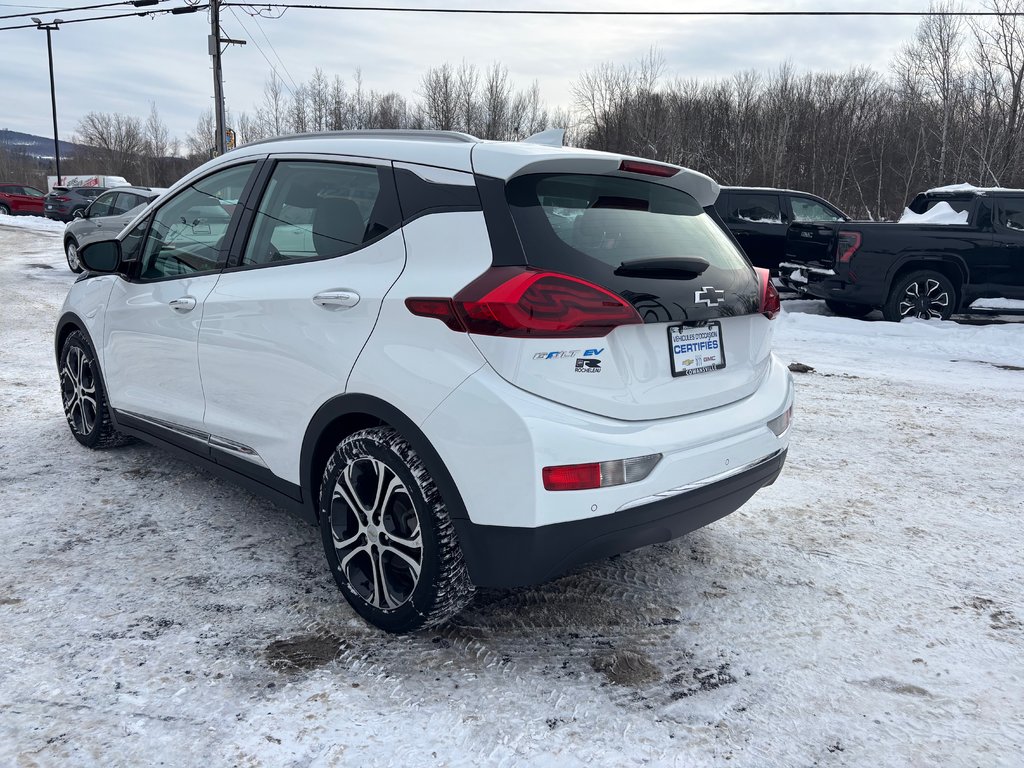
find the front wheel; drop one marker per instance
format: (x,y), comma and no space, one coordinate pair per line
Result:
(81,390)
(386,532)
(925,294)
(71,252)
(4,210)
(846,309)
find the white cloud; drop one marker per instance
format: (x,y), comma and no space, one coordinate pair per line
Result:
(122,65)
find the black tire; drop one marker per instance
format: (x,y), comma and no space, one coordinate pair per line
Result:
(845,309)
(4,210)
(395,558)
(71,254)
(85,401)
(925,294)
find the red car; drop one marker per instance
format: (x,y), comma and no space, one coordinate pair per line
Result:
(17,198)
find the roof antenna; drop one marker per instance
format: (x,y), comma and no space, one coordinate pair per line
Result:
(553,137)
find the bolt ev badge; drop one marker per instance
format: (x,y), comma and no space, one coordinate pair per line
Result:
(708,295)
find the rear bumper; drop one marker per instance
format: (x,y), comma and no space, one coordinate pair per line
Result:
(499,556)
(823,283)
(495,439)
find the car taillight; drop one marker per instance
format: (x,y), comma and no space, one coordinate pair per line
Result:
(770,303)
(847,244)
(62,199)
(580,477)
(523,302)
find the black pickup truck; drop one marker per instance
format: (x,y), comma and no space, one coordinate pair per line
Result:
(972,249)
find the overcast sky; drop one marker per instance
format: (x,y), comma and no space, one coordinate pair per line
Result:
(123,65)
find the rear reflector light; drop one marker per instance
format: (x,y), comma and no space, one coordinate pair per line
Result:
(770,303)
(651,169)
(781,423)
(442,309)
(847,244)
(579,477)
(521,302)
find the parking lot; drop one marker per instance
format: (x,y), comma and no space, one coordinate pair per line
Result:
(864,610)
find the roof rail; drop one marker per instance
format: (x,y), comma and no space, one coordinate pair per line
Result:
(377,133)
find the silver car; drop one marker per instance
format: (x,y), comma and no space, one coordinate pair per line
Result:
(105,217)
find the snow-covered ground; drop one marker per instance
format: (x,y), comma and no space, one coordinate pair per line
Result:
(865,610)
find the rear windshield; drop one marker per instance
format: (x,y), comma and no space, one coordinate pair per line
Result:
(588,226)
(616,220)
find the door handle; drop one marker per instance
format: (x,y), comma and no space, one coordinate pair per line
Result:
(337,299)
(182,305)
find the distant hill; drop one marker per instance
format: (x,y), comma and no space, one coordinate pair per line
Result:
(34,146)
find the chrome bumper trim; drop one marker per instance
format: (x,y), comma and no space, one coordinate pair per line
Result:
(805,268)
(702,483)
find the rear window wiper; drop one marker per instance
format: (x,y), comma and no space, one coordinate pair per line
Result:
(674,268)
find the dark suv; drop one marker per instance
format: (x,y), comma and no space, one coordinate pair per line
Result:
(759,218)
(64,202)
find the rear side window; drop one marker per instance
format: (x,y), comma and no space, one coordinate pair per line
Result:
(591,226)
(314,210)
(755,209)
(811,210)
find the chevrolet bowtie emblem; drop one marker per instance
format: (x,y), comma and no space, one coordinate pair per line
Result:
(708,295)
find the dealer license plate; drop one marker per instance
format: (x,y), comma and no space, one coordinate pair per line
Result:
(696,350)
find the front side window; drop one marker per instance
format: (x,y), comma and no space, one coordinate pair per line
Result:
(314,209)
(756,209)
(187,233)
(810,210)
(103,205)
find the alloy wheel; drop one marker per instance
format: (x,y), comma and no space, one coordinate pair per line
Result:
(925,299)
(72,253)
(376,533)
(78,390)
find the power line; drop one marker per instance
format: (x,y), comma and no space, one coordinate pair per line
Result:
(136,3)
(264,55)
(272,48)
(556,12)
(179,10)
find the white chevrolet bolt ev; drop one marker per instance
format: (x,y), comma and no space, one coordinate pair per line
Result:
(471,363)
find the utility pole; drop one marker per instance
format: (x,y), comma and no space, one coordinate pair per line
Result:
(49,27)
(218,75)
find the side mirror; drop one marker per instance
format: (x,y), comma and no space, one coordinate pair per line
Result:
(80,213)
(101,256)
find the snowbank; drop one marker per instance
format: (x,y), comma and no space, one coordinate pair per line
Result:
(33,223)
(941,213)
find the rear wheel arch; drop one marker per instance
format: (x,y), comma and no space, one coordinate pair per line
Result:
(346,414)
